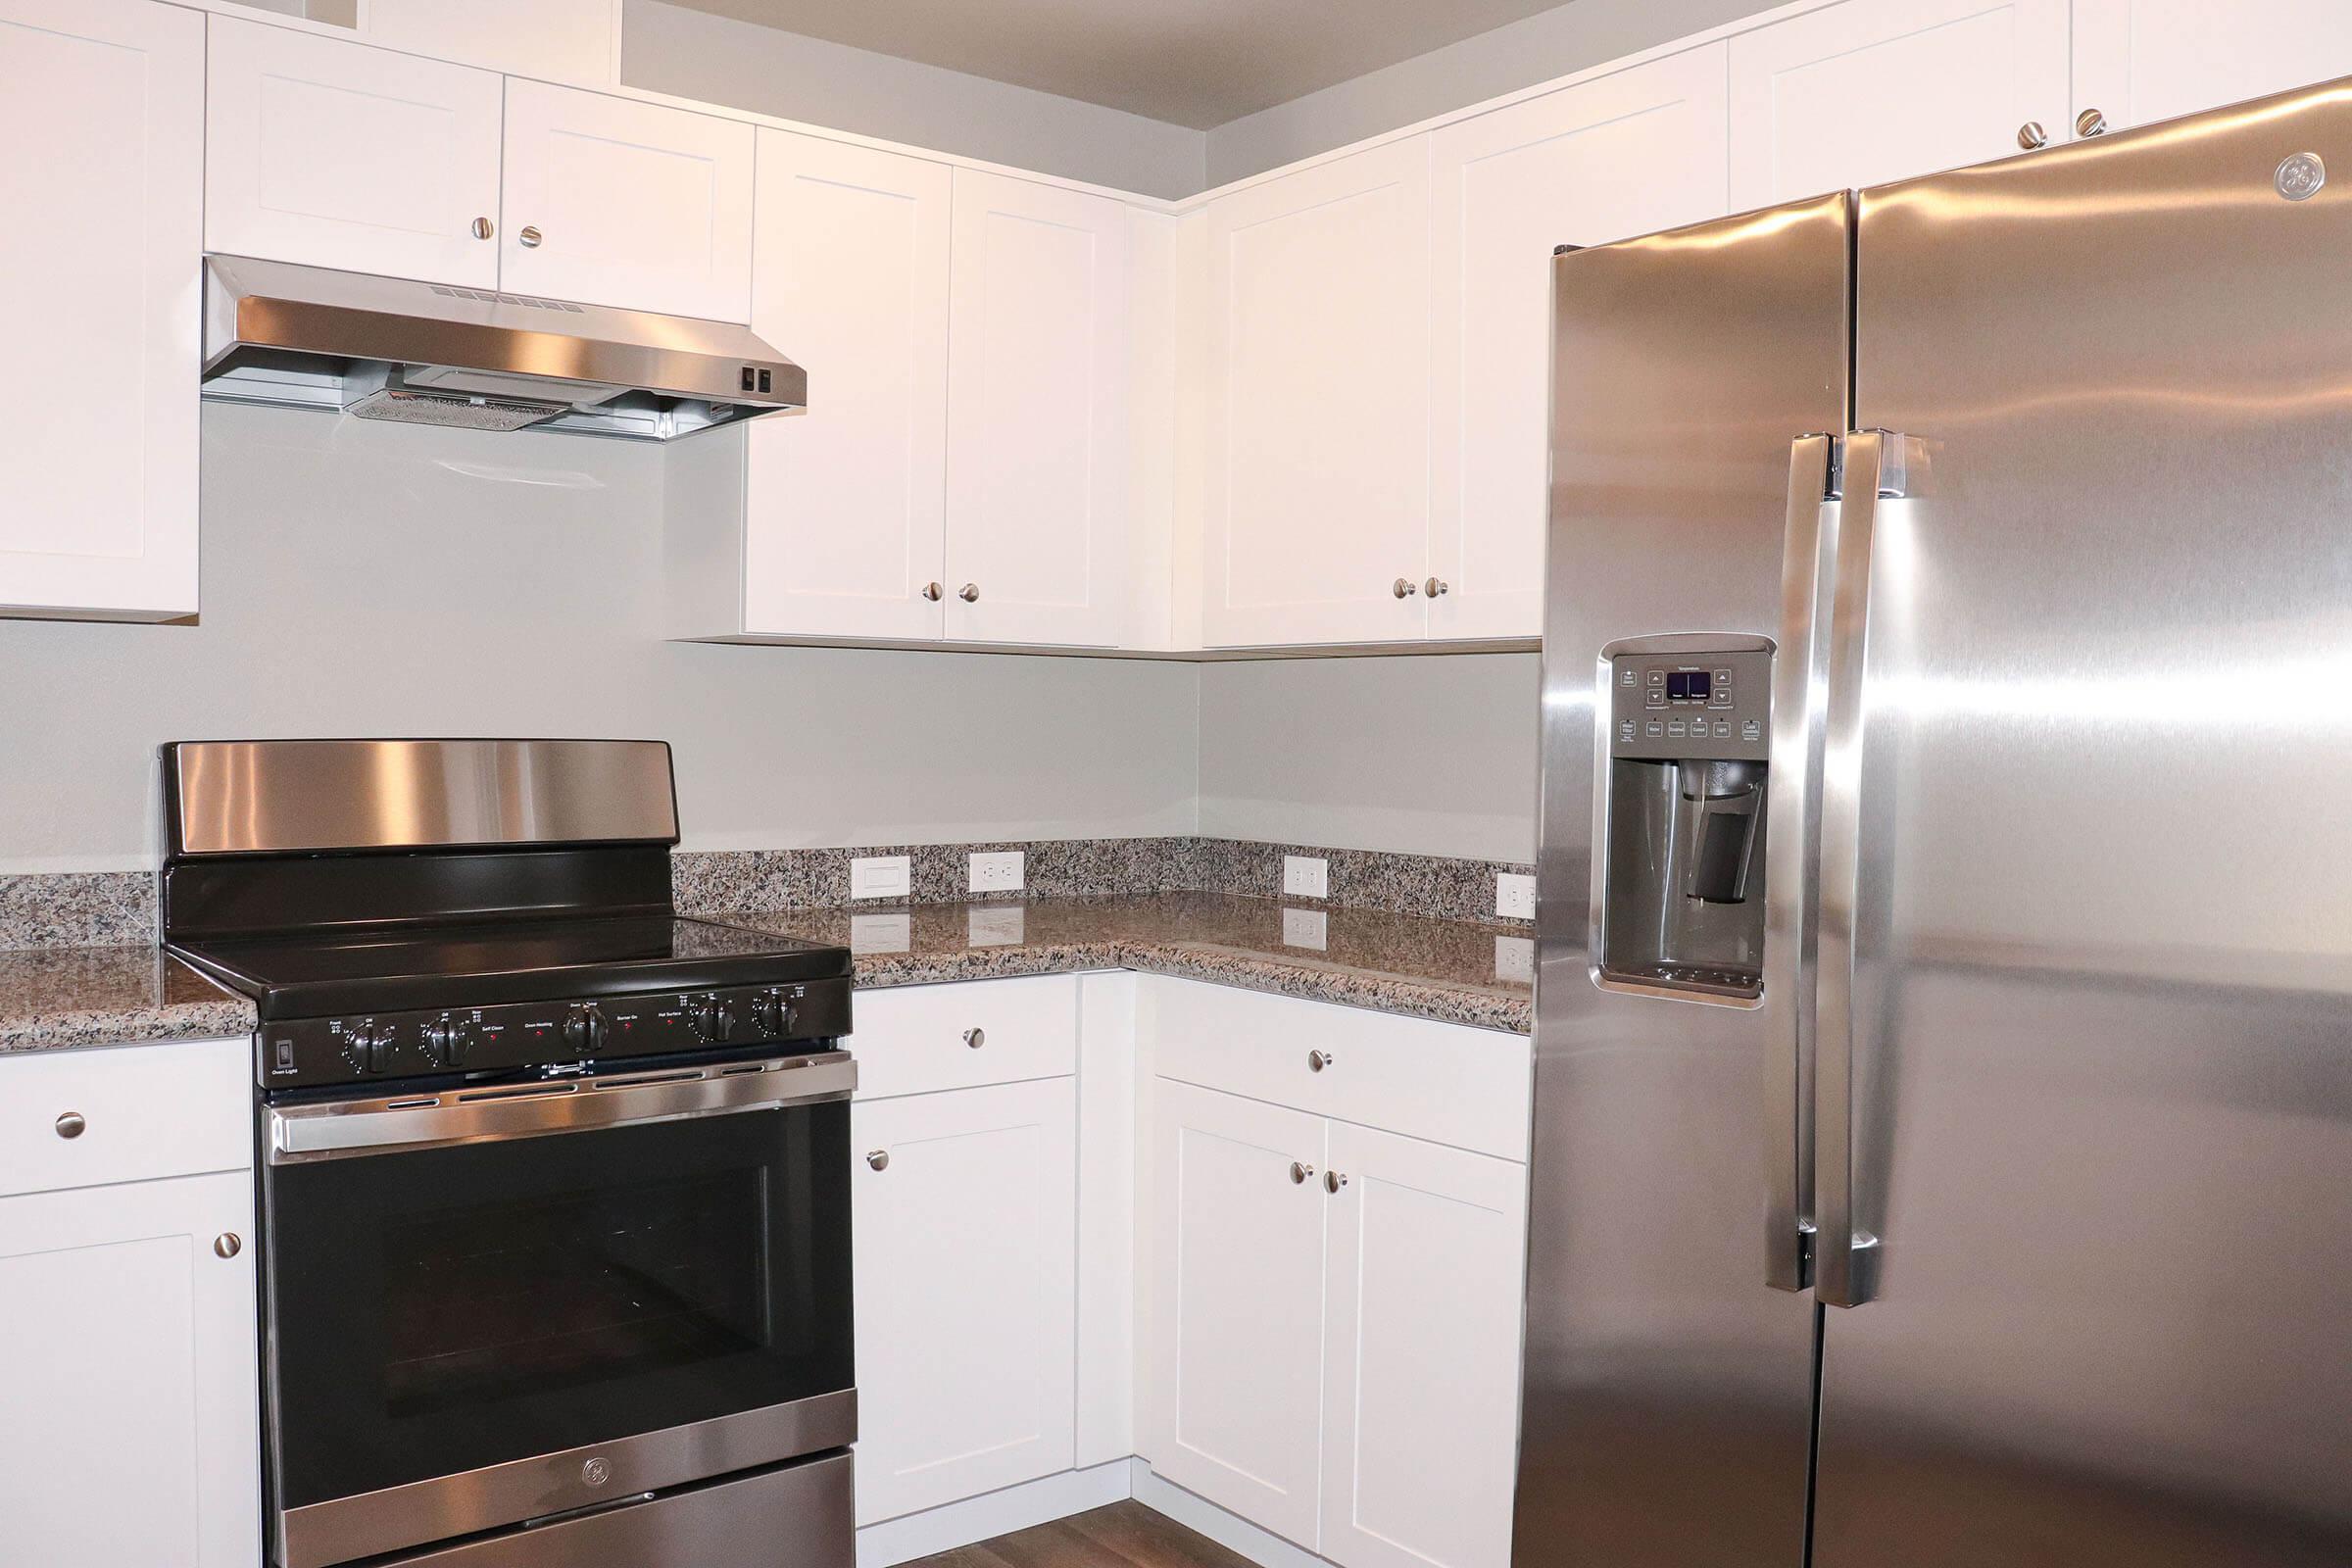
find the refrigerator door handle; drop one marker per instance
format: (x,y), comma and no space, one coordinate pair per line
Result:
(1792,837)
(1846,1270)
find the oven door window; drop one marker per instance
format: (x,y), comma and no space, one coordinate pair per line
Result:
(440,1310)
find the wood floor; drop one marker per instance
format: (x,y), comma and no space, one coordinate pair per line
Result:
(1125,1535)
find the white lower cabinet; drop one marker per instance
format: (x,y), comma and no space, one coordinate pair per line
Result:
(1235,1393)
(1420,1352)
(965,1218)
(1333,1309)
(128,1359)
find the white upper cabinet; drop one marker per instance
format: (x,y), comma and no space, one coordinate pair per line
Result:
(613,202)
(965,1224)
(1421,1359)
(846,503)
(1315,432)
(1235,1393)
(1876,90)
(2138,60)
(339,155)
(1037,377)
(1640,150)
(101,245)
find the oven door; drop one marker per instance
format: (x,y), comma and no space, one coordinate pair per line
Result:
(487,1306)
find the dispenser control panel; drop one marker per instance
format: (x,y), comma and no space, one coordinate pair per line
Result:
(1703,704)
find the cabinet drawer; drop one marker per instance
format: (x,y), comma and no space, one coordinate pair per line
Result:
(1442,1082)
(145,1111)
(922,1039)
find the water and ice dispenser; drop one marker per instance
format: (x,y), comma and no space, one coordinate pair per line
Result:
(1690,760)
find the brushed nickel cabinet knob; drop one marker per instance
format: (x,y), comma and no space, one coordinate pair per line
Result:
(1405,588)
(879,1159)
(975,1037)
(1317,1060)
(1438,587)
(229,1244)
(72,1125)
(934,592)
(483,229)
(2031,136)
(1333,1181)
(2090,122)
(530,236)
(969,593)
(1300,1173)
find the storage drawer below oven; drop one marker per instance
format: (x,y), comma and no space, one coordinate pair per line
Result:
(797,1513)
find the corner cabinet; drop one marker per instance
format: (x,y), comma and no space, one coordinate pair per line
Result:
(102,184)
(1335,1224)
(1315,429)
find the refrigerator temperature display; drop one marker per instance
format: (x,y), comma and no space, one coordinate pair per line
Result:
(1693,684)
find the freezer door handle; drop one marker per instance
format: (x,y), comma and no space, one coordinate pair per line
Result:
(1878,468)
(1791,842)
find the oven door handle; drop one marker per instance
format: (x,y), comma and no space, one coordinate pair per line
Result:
(342,1129)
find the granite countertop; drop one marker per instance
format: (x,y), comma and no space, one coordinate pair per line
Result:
(1443,969)
(57,997)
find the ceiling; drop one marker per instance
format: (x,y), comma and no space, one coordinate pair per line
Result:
(1197,63)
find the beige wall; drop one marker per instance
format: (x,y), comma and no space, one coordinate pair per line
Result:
(667,48)
(1551,43)
(375,580)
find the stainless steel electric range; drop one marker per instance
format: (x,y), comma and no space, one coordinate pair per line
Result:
(554,1184)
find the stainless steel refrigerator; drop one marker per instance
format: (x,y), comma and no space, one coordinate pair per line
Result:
(1943,1109)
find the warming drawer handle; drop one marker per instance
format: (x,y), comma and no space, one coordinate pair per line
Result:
(1878,467)
(1792,813)
(338,1130)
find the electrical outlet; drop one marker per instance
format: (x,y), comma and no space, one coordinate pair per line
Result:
(996,871)
(1515,959)
(881,876)
(1514,895)
(1305,876)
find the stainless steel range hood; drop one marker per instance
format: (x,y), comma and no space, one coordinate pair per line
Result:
(388,348)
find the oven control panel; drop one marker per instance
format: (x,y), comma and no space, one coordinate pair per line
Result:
(301,1052)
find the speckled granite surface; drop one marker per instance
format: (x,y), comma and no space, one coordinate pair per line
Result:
(51,997)
(1451,970)
(1431,886)
(76,910)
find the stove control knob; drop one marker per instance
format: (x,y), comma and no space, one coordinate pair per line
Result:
(584,1030)
(374,1044)
(444,1042)
(715,1019)
(771,1016)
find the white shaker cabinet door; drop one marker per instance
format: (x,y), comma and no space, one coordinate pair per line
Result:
(127,1376)
(101,261)
(1421,1379)
(613,202)
(2138,60)
(1235,1393)
(1038,368)
(1315,435)
(1626,154)
(845,502)
(965,1227)
(1876,90)
(337,155)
